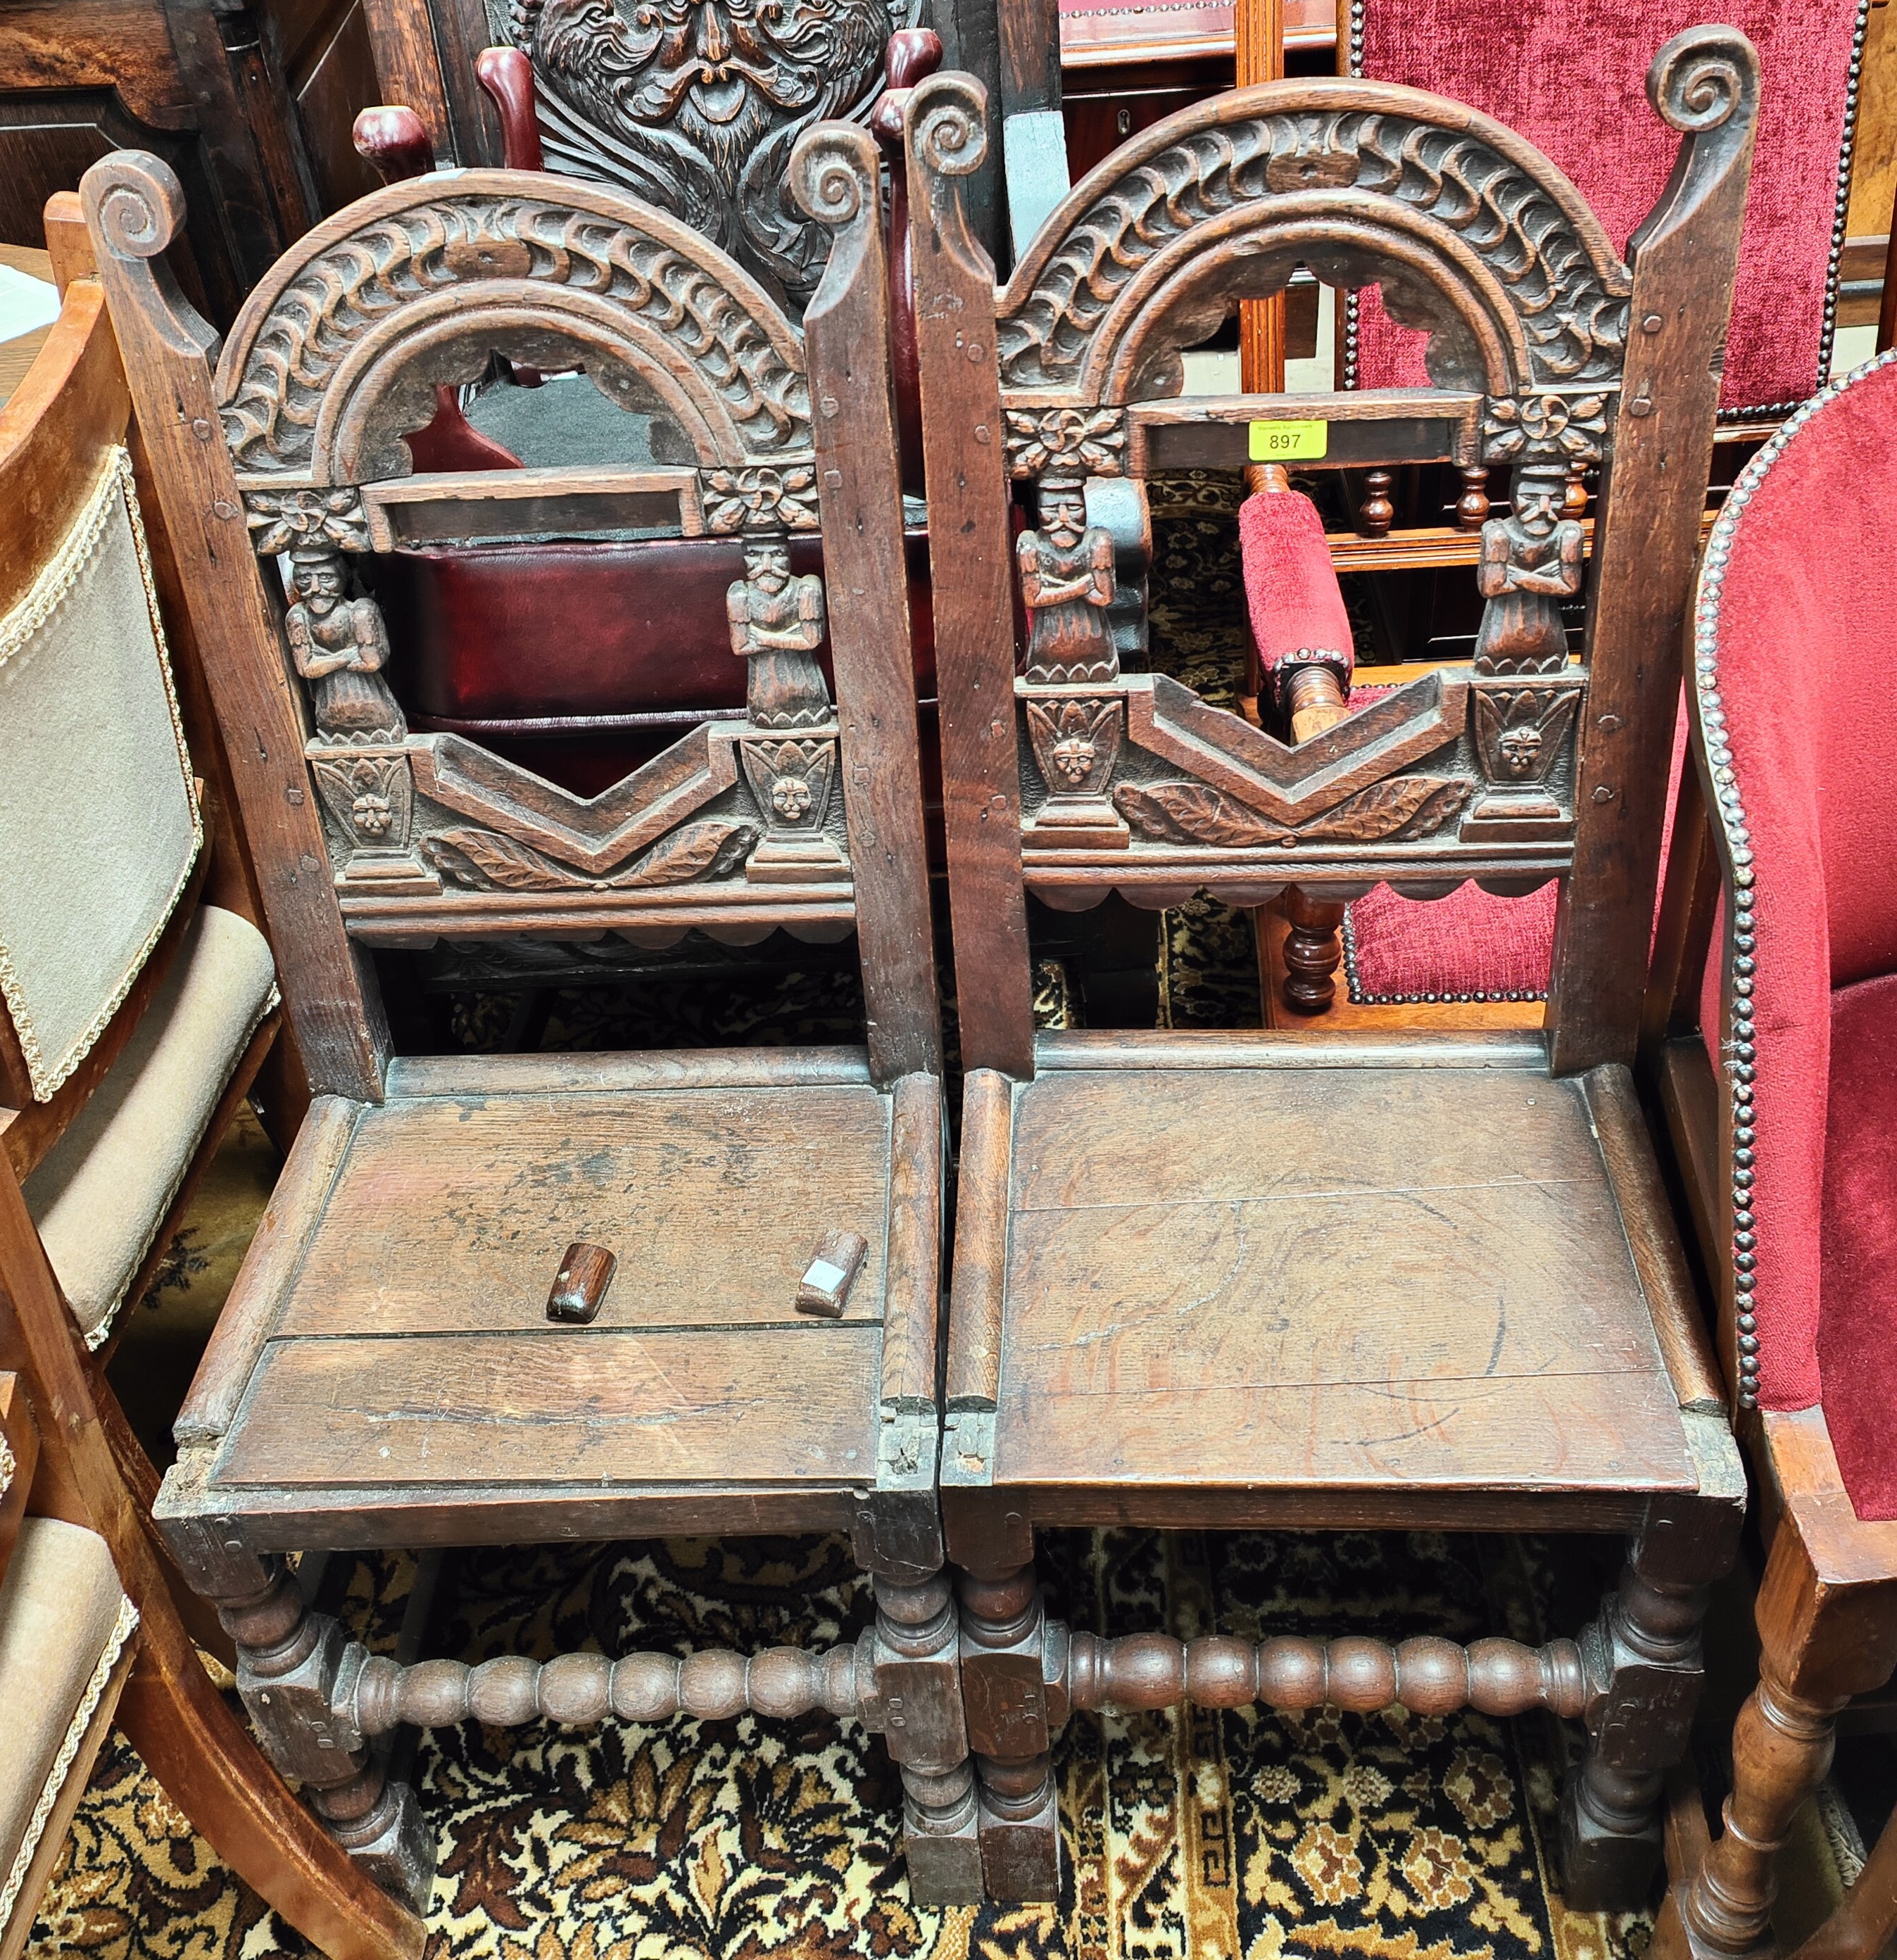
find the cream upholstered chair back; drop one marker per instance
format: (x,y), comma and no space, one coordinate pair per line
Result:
(99,826)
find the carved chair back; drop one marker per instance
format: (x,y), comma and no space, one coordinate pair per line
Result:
(798,813)
(1521,766)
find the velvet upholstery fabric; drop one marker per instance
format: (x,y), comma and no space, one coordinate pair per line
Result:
(1572,80)
(1468,946)
(1290,586)
(1799,642)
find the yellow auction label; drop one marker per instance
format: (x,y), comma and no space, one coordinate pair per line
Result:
(1290,442)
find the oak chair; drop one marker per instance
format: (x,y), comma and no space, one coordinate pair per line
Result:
(1773,1061)
(428,1345)
(1421,1281)
(138,1001)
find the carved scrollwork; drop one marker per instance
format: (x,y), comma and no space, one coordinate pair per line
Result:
(283,520)
(1190,813)
(1092,440)
(768,497)
(335,354)
(483,861)
(1447,189)
(696,106)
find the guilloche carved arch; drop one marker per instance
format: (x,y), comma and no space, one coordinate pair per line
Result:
(336,354)
(1476,234)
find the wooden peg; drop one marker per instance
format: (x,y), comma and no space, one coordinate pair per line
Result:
(1376,513)
(579,1287)
(824,1287)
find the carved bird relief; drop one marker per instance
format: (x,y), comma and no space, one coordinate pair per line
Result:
(695,105)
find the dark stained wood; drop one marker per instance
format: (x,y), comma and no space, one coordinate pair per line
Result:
(847,340)
(409,70)
(579,1287)
(339,1029)
(973,600)
(1642,571)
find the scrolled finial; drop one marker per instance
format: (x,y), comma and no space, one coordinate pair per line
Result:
(1702,76)
(134,203)
(947,124)
(833,172)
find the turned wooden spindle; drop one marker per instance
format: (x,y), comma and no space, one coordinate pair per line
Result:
(1376,513)
(1471,508)
(1574,495)
(1312,948)
(577,1689)
(1427,1675)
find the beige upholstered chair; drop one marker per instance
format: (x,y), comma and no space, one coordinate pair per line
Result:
(138,998)
(131,1015)
(67,1636)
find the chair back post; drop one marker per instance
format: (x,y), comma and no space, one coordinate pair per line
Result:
(134,208)
(963,452)
(848,353)
(1704,83)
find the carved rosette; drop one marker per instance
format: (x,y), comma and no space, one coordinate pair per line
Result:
(282,521)
(768,497)
(1545,432)
(790,781)
(1539,245)
(1090,442)
(1076,741)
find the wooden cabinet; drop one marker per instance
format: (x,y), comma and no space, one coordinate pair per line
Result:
(250,104)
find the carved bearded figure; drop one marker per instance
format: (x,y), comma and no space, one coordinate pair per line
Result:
(340,646)
(694,105)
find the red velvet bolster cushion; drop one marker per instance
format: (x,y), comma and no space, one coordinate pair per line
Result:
(1572,81)
(1290,586)
(1806,655)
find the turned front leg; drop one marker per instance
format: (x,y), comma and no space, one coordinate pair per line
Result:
(289,1665)
(1005,1690)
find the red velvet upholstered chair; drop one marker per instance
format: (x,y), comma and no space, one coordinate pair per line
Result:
(1561,77)
(1782,1102)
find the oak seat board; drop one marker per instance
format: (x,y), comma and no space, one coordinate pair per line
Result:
(1158,1292)
(451,1214)
(576,1408)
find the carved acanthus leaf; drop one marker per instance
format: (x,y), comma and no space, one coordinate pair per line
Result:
(484,861)
(1567,294)
(1190,813)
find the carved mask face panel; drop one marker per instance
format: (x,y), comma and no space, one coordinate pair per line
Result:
(717,76)
(1521,750)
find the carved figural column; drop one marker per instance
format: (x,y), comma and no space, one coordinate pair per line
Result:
(1066,585)
(340,646)
(778,620)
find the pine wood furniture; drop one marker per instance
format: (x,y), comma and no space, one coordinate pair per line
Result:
(1421,1281)
(1768,1040)
(138,1004)
(390,1368)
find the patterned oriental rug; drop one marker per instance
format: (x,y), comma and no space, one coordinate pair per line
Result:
(1243,1835)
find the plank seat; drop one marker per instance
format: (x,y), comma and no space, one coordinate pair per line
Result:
(1159,1292)
(387,1357)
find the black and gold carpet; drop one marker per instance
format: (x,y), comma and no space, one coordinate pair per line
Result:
(1246,1836)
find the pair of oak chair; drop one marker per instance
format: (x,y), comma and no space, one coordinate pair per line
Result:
(1422,1282)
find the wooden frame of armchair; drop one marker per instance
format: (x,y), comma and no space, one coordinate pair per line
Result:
(1763,845)
(469,1174)
(1093,1374)
(143,1093)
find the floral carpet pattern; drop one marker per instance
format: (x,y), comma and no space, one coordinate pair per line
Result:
(1188,1835)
